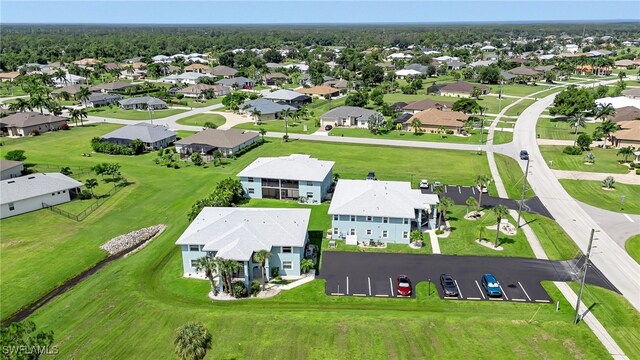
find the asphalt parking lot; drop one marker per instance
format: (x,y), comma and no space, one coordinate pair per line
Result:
(374,275)
(460,194)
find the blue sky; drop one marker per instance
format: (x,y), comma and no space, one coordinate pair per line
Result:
(300,11)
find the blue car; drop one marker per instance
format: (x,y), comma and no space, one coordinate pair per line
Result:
(491,285)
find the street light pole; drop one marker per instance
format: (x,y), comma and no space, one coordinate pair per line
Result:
(524,188)
(576,317)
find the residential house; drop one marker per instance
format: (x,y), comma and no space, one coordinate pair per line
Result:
(385,211)
(228,142)
(457,89)
(480,63)
(455,65)
(348,116)
(240,82)
(627,113)
(625,64)
(186,78)
(100,99)
(628,135)
(319,91)
(26,123)
(70,89)
(293,177)
(86,62)
(35,191)
(10,169)
(435,120)
(69,79)
(633,93)
(195,67)
(237,233)
(407,73)
(161,59)
(195,91)
(142,103)
(223,71)
(9,76)
(425,104)
(116,86)
(618,102)
(154,137)
(422,69)
(275,78)
(293,98)
(263,110)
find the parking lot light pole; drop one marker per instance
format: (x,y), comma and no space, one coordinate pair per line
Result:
(576,317)
(524,188)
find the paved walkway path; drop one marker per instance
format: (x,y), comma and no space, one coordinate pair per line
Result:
(629,178)
(435,244)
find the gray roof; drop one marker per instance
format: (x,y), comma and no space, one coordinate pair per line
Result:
(241,80)
(146,132)
(71,89)
(9,164)
(116,85)
(394,199)
(342,112)
(417,67)
(507,75)
(222,70)
(227,139)
(149,100)
(236,233)
(287,95)
(265,106)
(26,187)
(25,119)
(104,97)
(293,167)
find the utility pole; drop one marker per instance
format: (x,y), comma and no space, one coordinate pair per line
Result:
(524,188)
(576,318)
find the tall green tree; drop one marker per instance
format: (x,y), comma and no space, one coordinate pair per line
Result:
(577,121)
(500,211)
(210,267)
(606,128)
(471,203)
(83,95)
(625,152)
(261,258)
(90,184)
(482,181)
(443,206)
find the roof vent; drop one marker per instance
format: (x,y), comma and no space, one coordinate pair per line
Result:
(31,177)
(11,182)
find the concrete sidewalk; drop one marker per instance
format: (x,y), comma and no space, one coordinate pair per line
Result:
(629,178)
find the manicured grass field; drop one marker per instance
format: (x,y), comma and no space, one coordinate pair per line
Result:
(512,177)
(465,232)
(606,160)
(518,108)
(199,103)
(321,106)
(411,136)
(633,247)
(295,127)
(591,192)
(559,129)
(117,113)
(492,103)
(502,137)
(517,89)
(201,119)
(555,241)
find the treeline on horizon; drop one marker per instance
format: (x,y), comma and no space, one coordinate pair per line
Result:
(65,43)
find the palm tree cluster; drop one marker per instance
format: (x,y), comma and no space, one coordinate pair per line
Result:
(225,268)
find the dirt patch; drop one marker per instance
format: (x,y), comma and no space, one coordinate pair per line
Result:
(573,349)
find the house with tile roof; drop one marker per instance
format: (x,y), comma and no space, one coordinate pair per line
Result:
(434,120)
(457,89)
(154,137)
(26,123)
(228,142)
(347,116)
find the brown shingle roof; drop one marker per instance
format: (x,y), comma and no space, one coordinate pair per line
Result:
(196,66)
(24,119)
(318,90)
(219,138)
(222,70)
(626,113)
(461,87)
(71,89)
(523,71)
(630,130)
(427,104)
(435,117)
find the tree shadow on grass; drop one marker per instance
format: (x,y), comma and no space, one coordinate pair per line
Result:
(504,240)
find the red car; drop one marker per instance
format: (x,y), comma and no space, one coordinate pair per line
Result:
(404,285)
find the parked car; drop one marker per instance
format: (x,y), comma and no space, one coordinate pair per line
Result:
(310,251)
(437,184)
(491,285)
(524,155)
(482,188)
(448,285)
(371,176)
(328,127)
(424,184)
(404,285)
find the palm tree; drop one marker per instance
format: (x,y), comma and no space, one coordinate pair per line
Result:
(605,112)
(255,113)
(83,95)
(60,75)
(577,121)
(90,184)
(261,258)
(210,267)
(286,113)
(129,68)
(262,132)
(416,125)
(191,341)
(500,211)
(306,265)
(78,114)
(471,203)
(481,181)
(226,268)
(626,152)
(444,205)
(606,128)
(38,101)
(20,105)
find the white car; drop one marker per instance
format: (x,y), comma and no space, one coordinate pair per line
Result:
(424,184)
(482,189)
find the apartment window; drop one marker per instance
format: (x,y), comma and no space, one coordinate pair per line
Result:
(405,235)
(309,183)
(335,217)
(336,231)
(11,207)
(251,190)
(287,265)
(369,218)
(250,179)
(353,218)
(309,195)
(369,232)
(64,191)
(53,194)
(286,250)
(406,221)
(385,234)
(194,247)
(194,263)
(385,220)
(352,231)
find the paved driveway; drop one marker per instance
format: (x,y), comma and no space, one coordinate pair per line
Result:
(374,274)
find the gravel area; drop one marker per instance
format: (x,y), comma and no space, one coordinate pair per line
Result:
(129,240)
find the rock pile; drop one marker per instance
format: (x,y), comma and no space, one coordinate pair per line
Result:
(129,240)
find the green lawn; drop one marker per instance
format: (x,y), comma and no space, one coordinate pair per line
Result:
(591,192)
(465,232)
(200,119)
(559,129)
(117,113)
(512,177)
(517,89)
(492,103)
(620,319)
(391,248)
(518,108)
(606,160)
(321,106)
(410,135)
(295,127)
(633,247)
(555,241)
(502,137)
(195,103)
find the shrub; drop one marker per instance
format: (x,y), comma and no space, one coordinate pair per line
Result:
(84,195)
(102,146)
(196,159)
(238,289)
(439,232)
(632,165)
(210,125)
(15,155)
(255,287)
(35,132)
(275,271)
(246,149)
(179,96)
(584,141)
(637,171)
(64,126)
(608,182)
(449,132)
(572,150)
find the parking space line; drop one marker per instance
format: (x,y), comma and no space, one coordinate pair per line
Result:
(391,287)
(459,190)
(445,188)
(458,287)
(503,293)
(337,294)
(473,190)
(369,280)
(544,301)
(347,285)
(479,289)
(473,298)
(382,295)
(525,291)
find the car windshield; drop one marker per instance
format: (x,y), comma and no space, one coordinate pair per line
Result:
(403,284)
(448,282)
(492,284)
